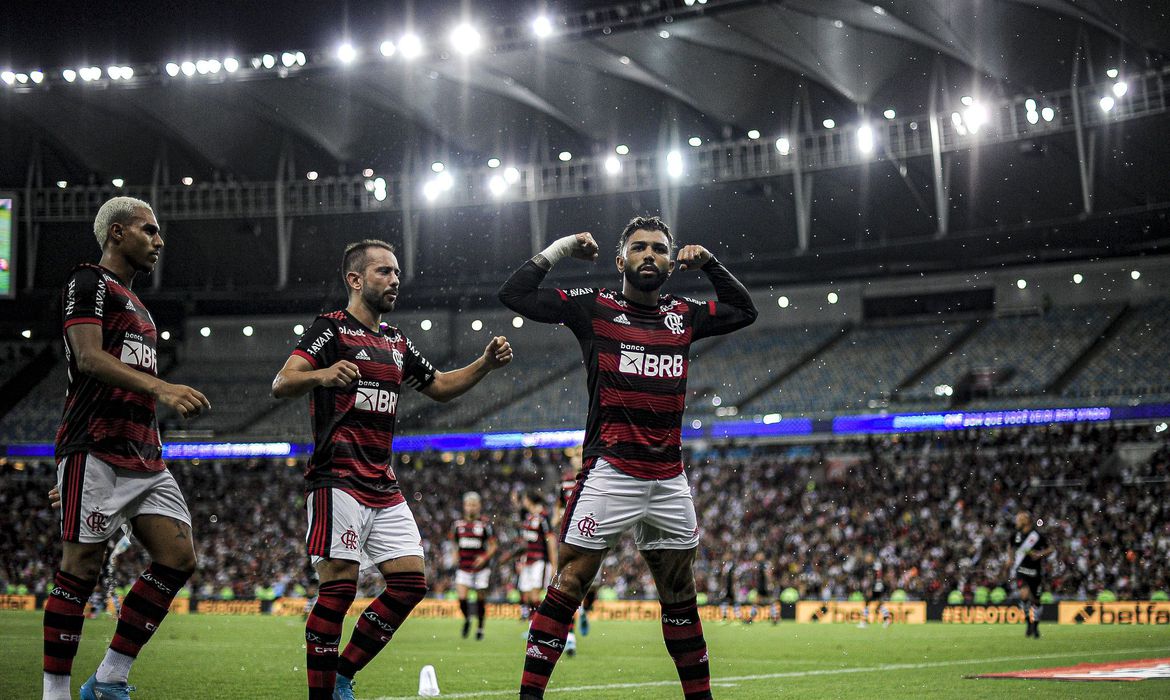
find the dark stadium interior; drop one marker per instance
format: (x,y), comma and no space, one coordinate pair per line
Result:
(1043,282)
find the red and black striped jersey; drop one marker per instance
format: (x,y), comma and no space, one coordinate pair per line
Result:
(472,537)
(116,425)
(637,359)
(534,530)
(353,427)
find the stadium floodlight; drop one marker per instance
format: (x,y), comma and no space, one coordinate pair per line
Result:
(347,53)
(1112,72)
(1120,88)
(188,68)
(188,181)
(517,321)
(511,175)
(833,298)
(268,60)
(8,77)
(437,167)
(248,331)
(387,48)
(26,334)
(493,162)
(425,324)
(380,183)
(430,191)
(311,175)
(976,116)
(497,185)
(783,147)
(1078,278)
(622,149)
(213,65)
(1135,275)
(231,65)
(664,34)
(36,76)
(829,124)
(287,59)
(117,182)
(410,46)
(565,156)
(754,134)
(1030,104)
(695,141)
(1033,117)
(674,164)
(62,184)
(542,27)
(368,172)
(22,78)
(613,166)
(445,181)
(299,329)
(379,192)
(70,75)
(889,113)
(1107,103)
(465,39)
(369,185)
(477,325)
(205,332)
(1022,283)
(300,57)
(865,139)
(165,335)
(1048,113)
(716,400)
(203,66)
(967,100)
(782,302)
(1161,428)
(696,424)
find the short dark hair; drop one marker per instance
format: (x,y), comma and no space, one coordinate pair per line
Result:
(354,259)
(648,223)
(535,496)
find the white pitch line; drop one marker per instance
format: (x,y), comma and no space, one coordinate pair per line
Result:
(798,674)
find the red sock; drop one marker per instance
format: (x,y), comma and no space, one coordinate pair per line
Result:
(546,640)
(145,607)
(683,633)
(323,636)
(64,616)
(381,620)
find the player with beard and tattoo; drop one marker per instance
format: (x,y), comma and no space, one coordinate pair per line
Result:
(635,345)
(354,366)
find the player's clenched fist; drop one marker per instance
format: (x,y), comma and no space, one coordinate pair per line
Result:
(584,247)
(187,401)
(692,256)
(339,375)
(498,352)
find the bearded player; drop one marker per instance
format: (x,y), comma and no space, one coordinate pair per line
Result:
(635,345)
(355,366)
(476,539)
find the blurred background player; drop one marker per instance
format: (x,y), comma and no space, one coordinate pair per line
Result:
(540,555)
(877,594)
(763,590)
(568,483)
(355,366)
(635,345)
(476,540)
(1030,548)
(729,607)
(110,470)
(106,594)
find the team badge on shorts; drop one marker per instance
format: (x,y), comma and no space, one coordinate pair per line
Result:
(349,539)
(97,521)
(587,526)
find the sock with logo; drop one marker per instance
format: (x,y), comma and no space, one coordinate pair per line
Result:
(64,617)
(142,612)
(683,633)
(546,640)
(381,620)
(323,636)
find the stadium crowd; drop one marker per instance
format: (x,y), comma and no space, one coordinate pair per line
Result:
(934,511)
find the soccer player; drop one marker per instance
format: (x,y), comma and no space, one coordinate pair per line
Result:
(635,345)
(763,581)
(878,592)
(107,581)
(109,458)
(568,483)
(354,366)
(476,539)
(1031,548)
(540,550)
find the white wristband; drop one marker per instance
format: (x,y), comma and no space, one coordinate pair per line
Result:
(560,249)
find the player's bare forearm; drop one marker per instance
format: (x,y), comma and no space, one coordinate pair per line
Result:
(86,342)
(449,385)
(291,383)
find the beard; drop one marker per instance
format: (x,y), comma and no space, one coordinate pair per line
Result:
(377,301)
(645,284)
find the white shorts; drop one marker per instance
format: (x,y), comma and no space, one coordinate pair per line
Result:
(608,502)
(478,580)
(535,576)
(342,528)
(98,499)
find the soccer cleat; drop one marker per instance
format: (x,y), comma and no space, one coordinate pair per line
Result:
(92,690)
(479,635)
(343,688)
(466,628)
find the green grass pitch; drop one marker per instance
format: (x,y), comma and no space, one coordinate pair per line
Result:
(203,656)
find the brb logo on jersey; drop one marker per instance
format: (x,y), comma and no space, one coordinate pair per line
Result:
(137,353)
(371,397)
(635,360)
(674,322)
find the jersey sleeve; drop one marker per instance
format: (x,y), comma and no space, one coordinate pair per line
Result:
(523,294)
(319,344)
(733,308)
(85,295)
(545,526)
(489,532)
(417,371)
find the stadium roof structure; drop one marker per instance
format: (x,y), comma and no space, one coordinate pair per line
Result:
(709,99)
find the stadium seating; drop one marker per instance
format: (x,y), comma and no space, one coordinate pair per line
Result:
(1133,363)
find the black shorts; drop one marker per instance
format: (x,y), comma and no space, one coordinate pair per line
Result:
(1032,584)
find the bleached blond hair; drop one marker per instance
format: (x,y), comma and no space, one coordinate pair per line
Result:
(119,210)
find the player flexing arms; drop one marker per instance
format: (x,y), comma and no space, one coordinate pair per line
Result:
(355,368)
(476,540)
(109,457)
(635,345)
(1031,548)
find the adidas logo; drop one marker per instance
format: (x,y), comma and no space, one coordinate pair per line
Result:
(622,320)
(362,355)
(130,306)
